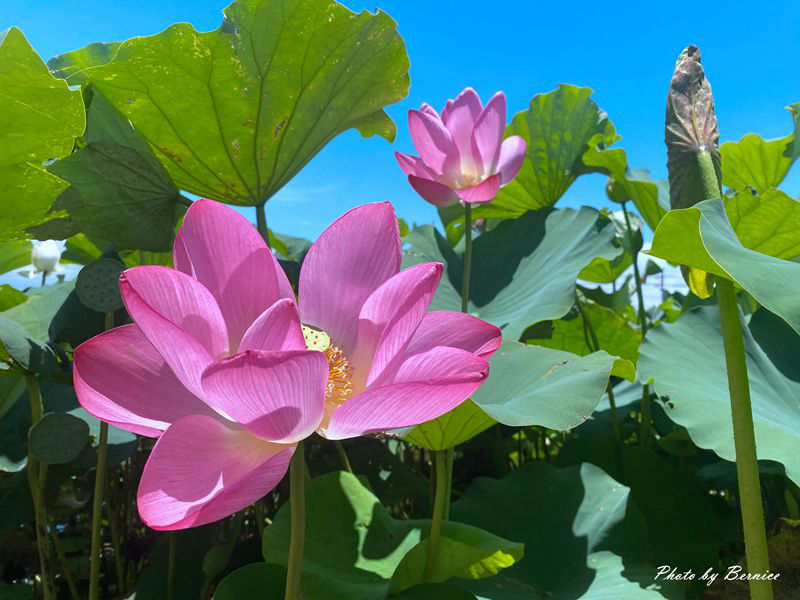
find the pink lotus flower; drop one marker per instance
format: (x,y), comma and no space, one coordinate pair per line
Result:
(218,364)
(462,154)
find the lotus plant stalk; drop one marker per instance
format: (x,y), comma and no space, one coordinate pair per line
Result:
(694,164)
(297,500)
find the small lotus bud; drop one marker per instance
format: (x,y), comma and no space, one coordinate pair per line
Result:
(615,191)
(45,256)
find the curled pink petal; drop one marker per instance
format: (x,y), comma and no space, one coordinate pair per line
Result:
(178,316)
(390,316)
(203,469)
(224,252)
(434,192)
(349,261)
(456,330)
(277,328)
(424,387)
(121,378)
(485,191)
(488,133)
(512,154)
(434,143)
(413,165)
(277,396)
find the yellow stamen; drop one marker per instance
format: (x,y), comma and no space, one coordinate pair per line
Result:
(340,372)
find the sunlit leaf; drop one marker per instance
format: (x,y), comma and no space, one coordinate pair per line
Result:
(556,127)
(701,237)
(768,222)
(754,162)
(258,97)
(451,429)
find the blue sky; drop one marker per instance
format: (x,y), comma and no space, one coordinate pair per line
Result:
(624,52)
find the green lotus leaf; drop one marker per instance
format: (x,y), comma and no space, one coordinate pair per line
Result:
(584,537)
(702,237)
(753,162)
(556,128)
(768,222)
(523,270)
(257,581)
(454,427)
(686,361)
(40,117)
(259,96)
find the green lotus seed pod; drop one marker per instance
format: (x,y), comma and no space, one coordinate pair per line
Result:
(97,285)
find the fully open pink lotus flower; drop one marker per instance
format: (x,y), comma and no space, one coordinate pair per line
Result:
(218,364)
(462,154)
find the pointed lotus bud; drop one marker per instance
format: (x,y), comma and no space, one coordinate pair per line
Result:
(45,256)
(692,136)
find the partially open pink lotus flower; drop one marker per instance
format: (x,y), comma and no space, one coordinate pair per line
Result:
(222,367)
(462,154)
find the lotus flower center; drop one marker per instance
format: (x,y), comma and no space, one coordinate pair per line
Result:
(340,371)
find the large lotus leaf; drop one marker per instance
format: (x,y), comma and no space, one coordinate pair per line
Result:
(685,532)
(40,117)
(556,127)
(454,427)
(650,197)
(530,385)
(753,162)
(702,237)
(10,297)
(768,222)
(436,591)
(356,554)
(686,361)
(124,195)
(14,254)
(614,335)
(72,64)
(256,581)
(583,536)
(603,270)
(523,270)
(36,313)
(260,96)
(31,353)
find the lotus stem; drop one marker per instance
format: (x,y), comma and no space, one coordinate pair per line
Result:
(62,559)
(440,466)
(343,456)
(297,505)
(261,222)
(644,430)
(467,256)
(744,439)
(35,483)
(594,347)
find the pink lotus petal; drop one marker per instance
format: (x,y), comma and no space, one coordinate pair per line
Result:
(485,191)
(277,396)
(434,192)
(348,262)
(456,330)
(178,316)
(428,109)
(460,116)
(512,154)
(203,469)
(224,252)
(434,143)
(277,328)
(488,133)
(121,378)
(413,165)
(390,316)
(427,385)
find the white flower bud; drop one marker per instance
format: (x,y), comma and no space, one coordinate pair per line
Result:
(45,255)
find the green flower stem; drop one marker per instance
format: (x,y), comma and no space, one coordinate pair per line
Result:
(595,346)
(34,472)
(171,565)
(261,515)
(646,409)
(297,504)
(440,466)
(62,559)
(97,502)
(261,222)
(744,439)
(467,257)
(343,456)
(449,457)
